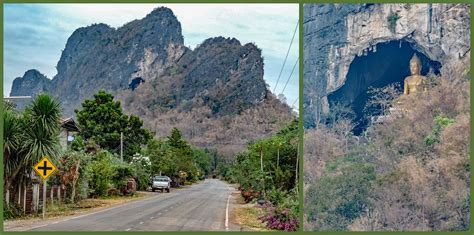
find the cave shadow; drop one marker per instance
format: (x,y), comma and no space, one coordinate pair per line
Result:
(388,64)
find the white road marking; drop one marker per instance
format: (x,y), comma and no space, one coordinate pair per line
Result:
(39,226)
(227,214)
(128,229)
(141,222)
(152,217)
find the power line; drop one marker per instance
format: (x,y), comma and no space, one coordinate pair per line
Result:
(284,62)
(292,70)
(295,102)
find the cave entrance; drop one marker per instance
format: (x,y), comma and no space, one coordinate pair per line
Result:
(388,64)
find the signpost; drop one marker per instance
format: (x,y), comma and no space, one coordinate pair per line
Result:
(44,168)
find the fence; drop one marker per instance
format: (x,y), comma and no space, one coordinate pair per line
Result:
(30,197)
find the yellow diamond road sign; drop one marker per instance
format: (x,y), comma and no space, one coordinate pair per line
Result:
(44,168)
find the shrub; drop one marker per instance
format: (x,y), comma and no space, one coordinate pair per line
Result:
(335,201)
(281,210)
(141,167)
(278,218)
(441,123)
(392,21)
(101,172)
(12,211)
(122,172)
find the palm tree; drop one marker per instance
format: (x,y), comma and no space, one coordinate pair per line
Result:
(42,133)
(30,136)
(11,142)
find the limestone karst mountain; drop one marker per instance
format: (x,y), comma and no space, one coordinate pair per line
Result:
(214,93)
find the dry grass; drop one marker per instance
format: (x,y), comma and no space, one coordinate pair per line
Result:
(246,216)
(55,210)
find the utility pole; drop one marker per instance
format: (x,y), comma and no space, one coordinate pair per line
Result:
(121,145)
(296,171)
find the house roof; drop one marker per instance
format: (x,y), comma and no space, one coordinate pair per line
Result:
(69,124)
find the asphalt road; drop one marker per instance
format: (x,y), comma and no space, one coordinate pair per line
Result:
(204,207)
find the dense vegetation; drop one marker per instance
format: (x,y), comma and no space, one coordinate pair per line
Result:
(409,171)
(91,165)
(27,137)
(101,120)
(143,155)
(267,173)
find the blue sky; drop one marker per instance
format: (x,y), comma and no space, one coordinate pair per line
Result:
(35,34)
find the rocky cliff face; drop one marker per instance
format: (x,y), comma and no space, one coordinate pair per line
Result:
(146,65)
(32,82)
(100,57)
(220,73)
(335,34)
(152,49)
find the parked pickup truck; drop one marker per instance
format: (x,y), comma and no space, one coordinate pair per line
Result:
(161,182)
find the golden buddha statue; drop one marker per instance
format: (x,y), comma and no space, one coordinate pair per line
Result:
(415,82)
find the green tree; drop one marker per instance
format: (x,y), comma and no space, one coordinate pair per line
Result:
(101,120)
(203,162)
(175,140)
(182,153)
(135,136)
(161,158)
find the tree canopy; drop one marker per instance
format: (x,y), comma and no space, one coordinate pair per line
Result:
(101,120)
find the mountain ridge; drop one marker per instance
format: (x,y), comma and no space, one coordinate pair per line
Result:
(146,65)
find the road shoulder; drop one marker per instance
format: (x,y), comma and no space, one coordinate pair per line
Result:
(31,222)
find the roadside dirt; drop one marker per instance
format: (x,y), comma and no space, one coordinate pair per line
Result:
(246,215)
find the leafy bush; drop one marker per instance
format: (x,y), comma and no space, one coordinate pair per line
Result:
(284,216)
(100,173)
(122,172)
(12,211)
(73,174)
(335,201)
(441,123)
(141,171)
(392,21)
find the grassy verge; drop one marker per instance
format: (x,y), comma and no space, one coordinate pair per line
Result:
(55,209)
(246,216)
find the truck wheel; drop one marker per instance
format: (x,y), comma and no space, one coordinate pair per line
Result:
(162,190)
(153,189)
(168,190)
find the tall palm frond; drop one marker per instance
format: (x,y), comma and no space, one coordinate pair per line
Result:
(41,137)
(11,133)
(31,136)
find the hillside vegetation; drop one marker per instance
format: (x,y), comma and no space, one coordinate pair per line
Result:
(409,172)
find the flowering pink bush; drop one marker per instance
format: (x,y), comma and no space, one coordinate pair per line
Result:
(280,219)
